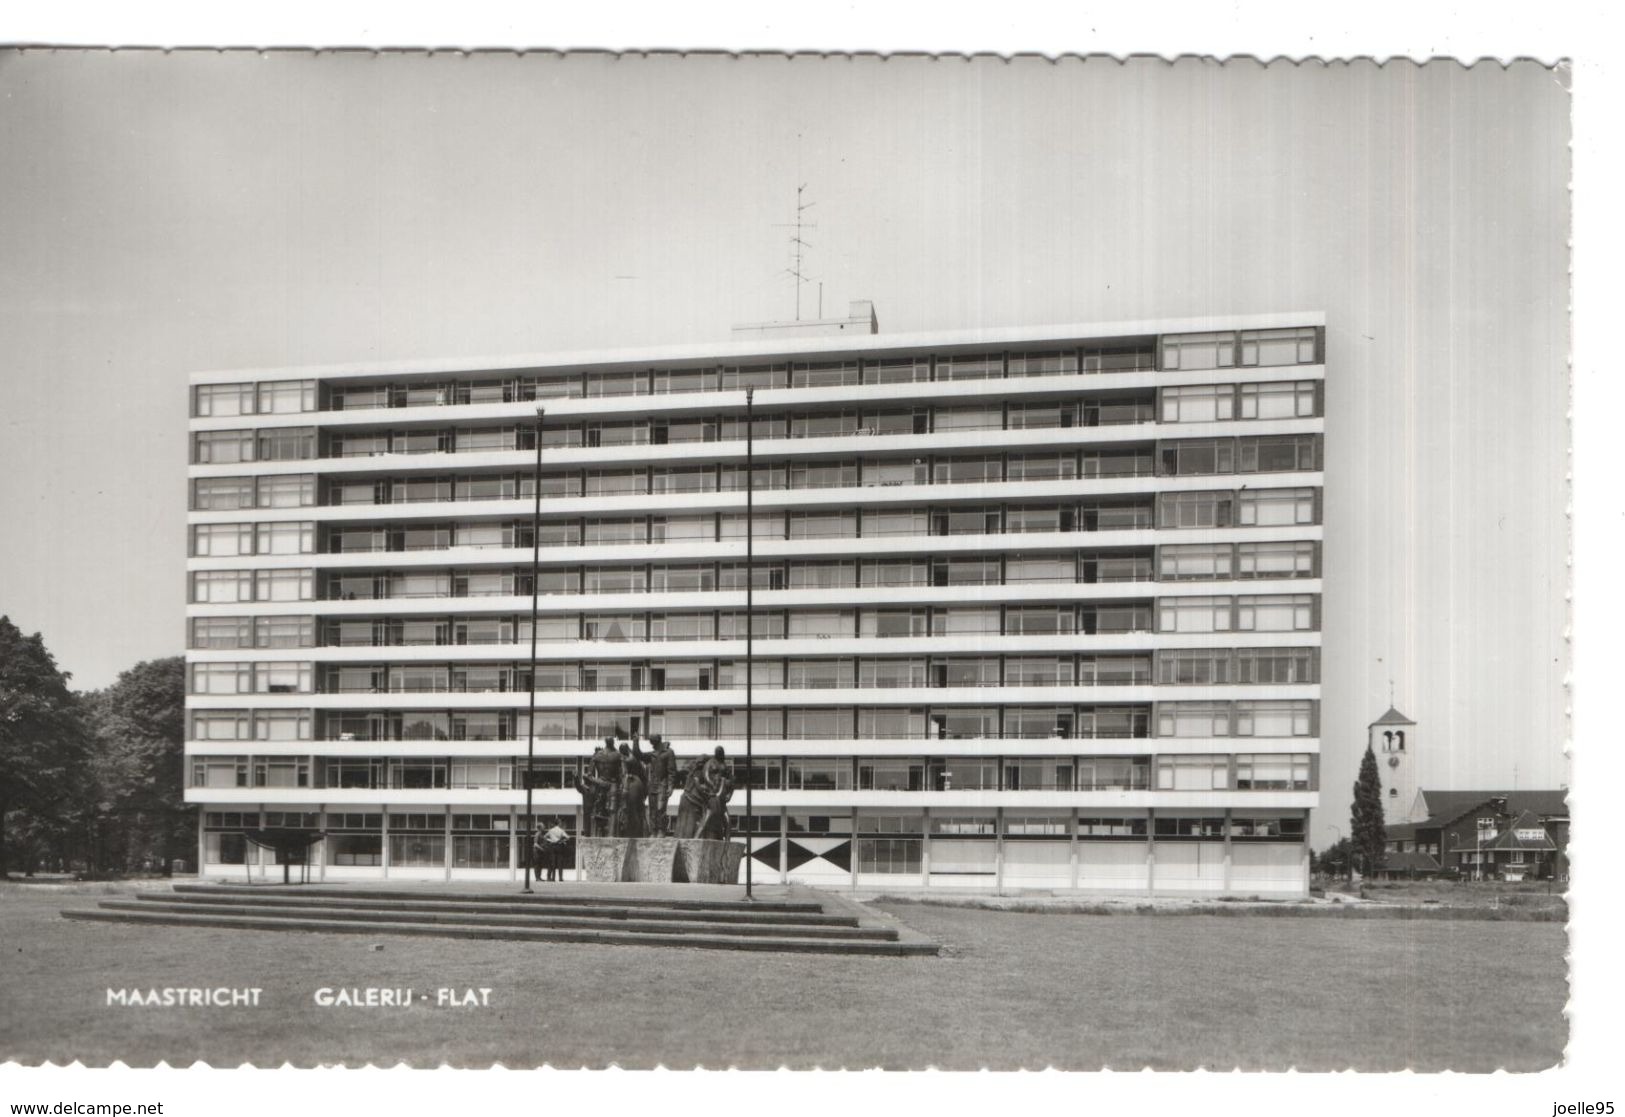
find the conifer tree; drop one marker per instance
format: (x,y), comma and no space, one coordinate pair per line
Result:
(1369,834)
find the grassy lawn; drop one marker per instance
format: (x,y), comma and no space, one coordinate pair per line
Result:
(1012,989)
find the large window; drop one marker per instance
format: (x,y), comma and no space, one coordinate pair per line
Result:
(220,725)
(1286,717)
(222,678)
(222,494)
(1278,453)
(214,587)
(291,537)
(1193,719)
(890,774)
(1194,562)
(1194,666)
(820,774)
(1289,399)
(222,540)
(281,397)
(282,725)
(1041,467)
(282,678)
(1203,457)
(1193,614)
(1277,665)
(220,771)
(801,723)
(1287,771)
(284,585)
(285,444)
(1195,510)
(220,400)
(1188,352)
(219,632)
(1198,403)
(1287,612)
(1192,773)
(1280,347)
(297,490)
(1276,560)
(889,843)
(219,447)
(1275,507)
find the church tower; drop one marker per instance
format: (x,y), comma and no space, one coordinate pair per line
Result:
(1393,739)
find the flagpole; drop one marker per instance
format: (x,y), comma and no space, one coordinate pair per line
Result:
(529,848)
(750,624)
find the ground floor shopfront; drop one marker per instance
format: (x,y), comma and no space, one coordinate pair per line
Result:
(1259,852)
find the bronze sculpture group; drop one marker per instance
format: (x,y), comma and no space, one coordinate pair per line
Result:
(625,792)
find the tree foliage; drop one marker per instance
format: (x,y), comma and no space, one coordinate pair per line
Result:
(45,780)
(1367,830)
(140,729)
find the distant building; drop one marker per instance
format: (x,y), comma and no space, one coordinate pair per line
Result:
(1506,834)
(1393,740)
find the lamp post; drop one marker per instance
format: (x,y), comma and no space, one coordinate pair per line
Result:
(750,623)
(535,588)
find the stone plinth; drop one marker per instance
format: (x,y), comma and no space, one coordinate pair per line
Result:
(659,860)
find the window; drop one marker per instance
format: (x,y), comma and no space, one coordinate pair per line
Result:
(965,722)
(1194,666)
(218,447)
(979,366)
(1040,620)
(214,587)
(1197,457)
(1194,562)
(222,540)
(895,523)
(1290,399)
(890,622)
(1275,507)
(284,632)
(617,626)
(1041,467)
(220,400)
(1272,772)
(1063,362)
(965,826)
(1198,403)
(1278,453)
(802,723)
(282,725)
(222,678)
(1286,717)
(903,370)
(1039,721)
(949,419)
(1193,614)
(222,494)
(287,538)
(282,397)
(807,774)
(901,573)
(287,491)
(1021,520)
(965,672)
(286,444)
(1112,828)
(1193,719)
(1294,612)
(220,725)
(1041,416)
(683,529)
(967,471)
(964,622)
(824,374)
(890,474)
(1055,569)
(221,771)
(282,678)
(680,626)
(890,775)
(1189,352)
(819,674)
(1276,560)
(887,673)
(219,632)
(1195,510)
(1191,773)
(1175,829)
(1280,347)
(284,585)
(823,525)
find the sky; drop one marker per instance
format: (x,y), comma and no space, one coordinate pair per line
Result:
(164,213)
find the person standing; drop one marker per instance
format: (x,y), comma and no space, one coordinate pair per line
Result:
(554,842)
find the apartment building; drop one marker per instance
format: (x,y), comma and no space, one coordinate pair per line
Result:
(1033,608)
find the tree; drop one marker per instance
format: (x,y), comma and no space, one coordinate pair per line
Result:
(45,786)
(140,726)
(1366,827)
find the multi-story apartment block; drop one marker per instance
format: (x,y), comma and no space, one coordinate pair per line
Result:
(1034,608)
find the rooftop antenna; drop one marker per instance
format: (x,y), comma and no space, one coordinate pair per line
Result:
(798,246)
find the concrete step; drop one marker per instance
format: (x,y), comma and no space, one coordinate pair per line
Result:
(561,897)
(402,913)
(732,940)
(593,907)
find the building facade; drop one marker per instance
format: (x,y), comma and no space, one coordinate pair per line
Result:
(1033,608)
(1508,835)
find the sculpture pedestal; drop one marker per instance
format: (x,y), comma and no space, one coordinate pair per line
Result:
(659,860)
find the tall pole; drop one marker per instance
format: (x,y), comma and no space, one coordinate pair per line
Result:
(750,624)
(535,589)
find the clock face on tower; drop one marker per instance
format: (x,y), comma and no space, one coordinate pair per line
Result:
(1393,762)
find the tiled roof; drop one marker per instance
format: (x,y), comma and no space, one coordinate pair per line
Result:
(1393,717)
(1409,862)
(1447,806)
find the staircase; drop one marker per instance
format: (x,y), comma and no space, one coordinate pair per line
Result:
(800,920)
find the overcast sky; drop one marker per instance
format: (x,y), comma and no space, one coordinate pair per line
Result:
(163,213)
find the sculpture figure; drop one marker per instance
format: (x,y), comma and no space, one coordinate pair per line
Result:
(662,767)
(706,790)
(606,768)
(629,819)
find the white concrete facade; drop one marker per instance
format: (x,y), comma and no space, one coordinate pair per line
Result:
(1035,609)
